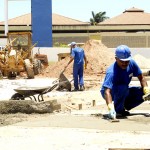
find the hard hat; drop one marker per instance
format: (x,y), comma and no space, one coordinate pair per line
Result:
(72,43)
(123,53)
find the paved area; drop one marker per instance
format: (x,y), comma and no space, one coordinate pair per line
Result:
(69,138)
(139,121)
(84,129)
(80,130)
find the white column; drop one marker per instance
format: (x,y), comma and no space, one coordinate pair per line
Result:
(6,16)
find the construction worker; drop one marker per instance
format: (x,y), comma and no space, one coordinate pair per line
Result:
(78,55)
(119,96)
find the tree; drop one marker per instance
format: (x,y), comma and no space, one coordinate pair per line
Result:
(99,17)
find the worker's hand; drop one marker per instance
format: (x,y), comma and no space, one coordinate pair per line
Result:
(146,90)
(112,112)
(146,95)
(85,66)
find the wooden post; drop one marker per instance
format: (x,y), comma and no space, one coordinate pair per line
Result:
(93,102)
(80,106)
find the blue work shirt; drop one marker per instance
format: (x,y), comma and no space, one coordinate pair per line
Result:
(78,55)
(116,76)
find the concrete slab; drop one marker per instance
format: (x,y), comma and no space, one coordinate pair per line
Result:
(58,138)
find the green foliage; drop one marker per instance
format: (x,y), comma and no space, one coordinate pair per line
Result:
(98,17)
(57,44)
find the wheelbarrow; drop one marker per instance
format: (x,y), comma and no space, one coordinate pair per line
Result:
(30,92)
(64,83)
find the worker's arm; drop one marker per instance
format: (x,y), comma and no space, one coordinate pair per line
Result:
(108,96)
(85,61)
(142,80)
(110,105)
(71,59)
(144,84)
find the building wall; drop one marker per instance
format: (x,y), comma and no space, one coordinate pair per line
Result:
(111,39)
(53,53)
(65,38)
(133,40)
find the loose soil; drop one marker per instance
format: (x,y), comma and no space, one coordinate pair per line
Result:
(98,57)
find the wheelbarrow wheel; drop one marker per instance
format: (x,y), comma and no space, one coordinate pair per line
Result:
(17,96)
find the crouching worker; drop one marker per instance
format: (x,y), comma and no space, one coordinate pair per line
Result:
(119,96)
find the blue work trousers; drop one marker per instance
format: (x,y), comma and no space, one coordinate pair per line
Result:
(78,75)
(125,97)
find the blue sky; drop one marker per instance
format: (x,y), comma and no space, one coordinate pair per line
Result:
(76,9)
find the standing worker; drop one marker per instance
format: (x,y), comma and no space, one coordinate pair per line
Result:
(78,55)
(120,98)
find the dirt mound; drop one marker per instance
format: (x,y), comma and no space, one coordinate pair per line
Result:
(143,62)
(98,56)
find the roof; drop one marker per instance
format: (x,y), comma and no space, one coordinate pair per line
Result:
(56,20)
(61,20)
(132,16)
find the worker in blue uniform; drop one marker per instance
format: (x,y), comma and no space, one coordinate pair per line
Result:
(80,60)
(119,96)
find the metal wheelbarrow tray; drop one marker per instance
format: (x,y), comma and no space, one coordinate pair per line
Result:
(24,92)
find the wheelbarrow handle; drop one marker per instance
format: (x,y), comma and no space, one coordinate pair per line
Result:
(50,89)
(56,81)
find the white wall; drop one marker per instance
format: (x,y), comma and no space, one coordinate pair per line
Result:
(51,52)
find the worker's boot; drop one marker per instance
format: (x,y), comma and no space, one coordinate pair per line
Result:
(75,90)
(82,88)
(123,113)
(146,97)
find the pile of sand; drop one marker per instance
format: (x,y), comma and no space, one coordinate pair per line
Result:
(98,56)
(143,62)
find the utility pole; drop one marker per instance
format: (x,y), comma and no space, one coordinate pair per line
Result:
(41,21)
(6,16)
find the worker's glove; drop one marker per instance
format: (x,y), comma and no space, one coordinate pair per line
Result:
(146,92)
(112,112)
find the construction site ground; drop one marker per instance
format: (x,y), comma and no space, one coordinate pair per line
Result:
(79,124)
(75,126)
